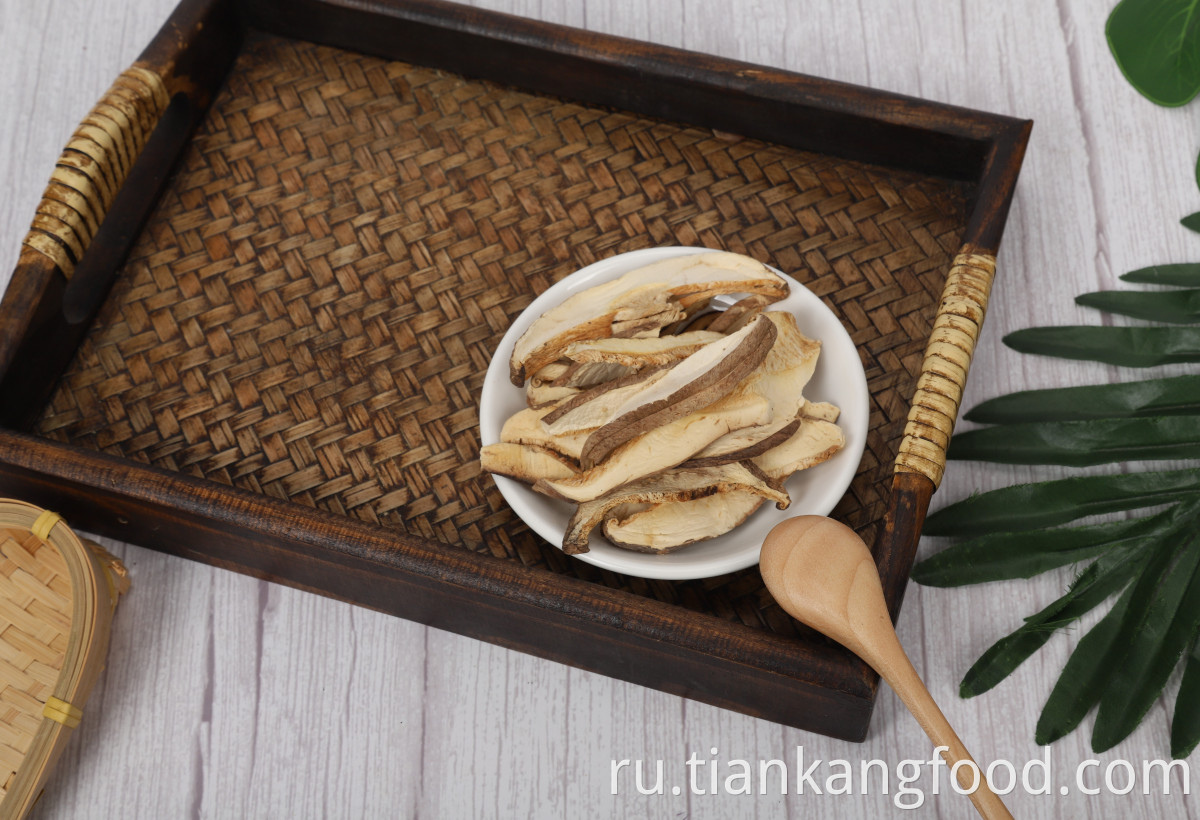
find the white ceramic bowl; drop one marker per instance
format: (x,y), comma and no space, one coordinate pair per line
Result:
(839,378)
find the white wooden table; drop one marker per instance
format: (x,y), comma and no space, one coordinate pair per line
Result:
(225,696)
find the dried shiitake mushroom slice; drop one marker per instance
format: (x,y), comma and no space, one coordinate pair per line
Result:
(544,395)
(585,375)
(674,485)
(525,427)
(660,448)
(641,301)
(699,380)
(598,405)
(787,368)
(525,462)
(821,411)
(638,353)
(814,442)
(738,315)
(665,527)
(745,443)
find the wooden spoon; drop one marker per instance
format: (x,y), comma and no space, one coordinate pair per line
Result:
(823,575)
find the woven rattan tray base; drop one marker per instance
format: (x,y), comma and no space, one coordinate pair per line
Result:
(310,310)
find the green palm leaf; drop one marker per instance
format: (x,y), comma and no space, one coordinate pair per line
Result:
(1152,397)
(1186,275)
(1093,667)
(1125,346)
(1155,644)
(1006,555)
(1082,680)
(1185,724)
(1175,306)
(1082,443)
(1106,575)
(1050,503)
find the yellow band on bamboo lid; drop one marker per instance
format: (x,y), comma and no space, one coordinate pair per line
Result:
(62,712)
(44,523)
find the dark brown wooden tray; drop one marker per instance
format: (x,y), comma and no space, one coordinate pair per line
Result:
(252,318)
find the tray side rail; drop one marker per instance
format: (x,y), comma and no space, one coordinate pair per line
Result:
(616,633)
(784,107)
(921,461)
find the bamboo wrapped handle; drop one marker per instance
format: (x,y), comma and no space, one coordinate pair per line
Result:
(947,360)
(93,166)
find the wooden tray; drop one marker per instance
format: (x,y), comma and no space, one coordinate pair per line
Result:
(251,320)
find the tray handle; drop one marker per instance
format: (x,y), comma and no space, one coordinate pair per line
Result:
(947,360)
(94,164)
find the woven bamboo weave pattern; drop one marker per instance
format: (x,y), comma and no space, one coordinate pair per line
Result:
(35,612)
(311,310)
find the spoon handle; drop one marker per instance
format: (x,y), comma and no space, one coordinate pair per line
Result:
(893,666)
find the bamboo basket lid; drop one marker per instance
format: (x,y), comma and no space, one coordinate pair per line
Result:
(57,598)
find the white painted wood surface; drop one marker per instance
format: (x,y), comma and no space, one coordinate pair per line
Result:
(228,697)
